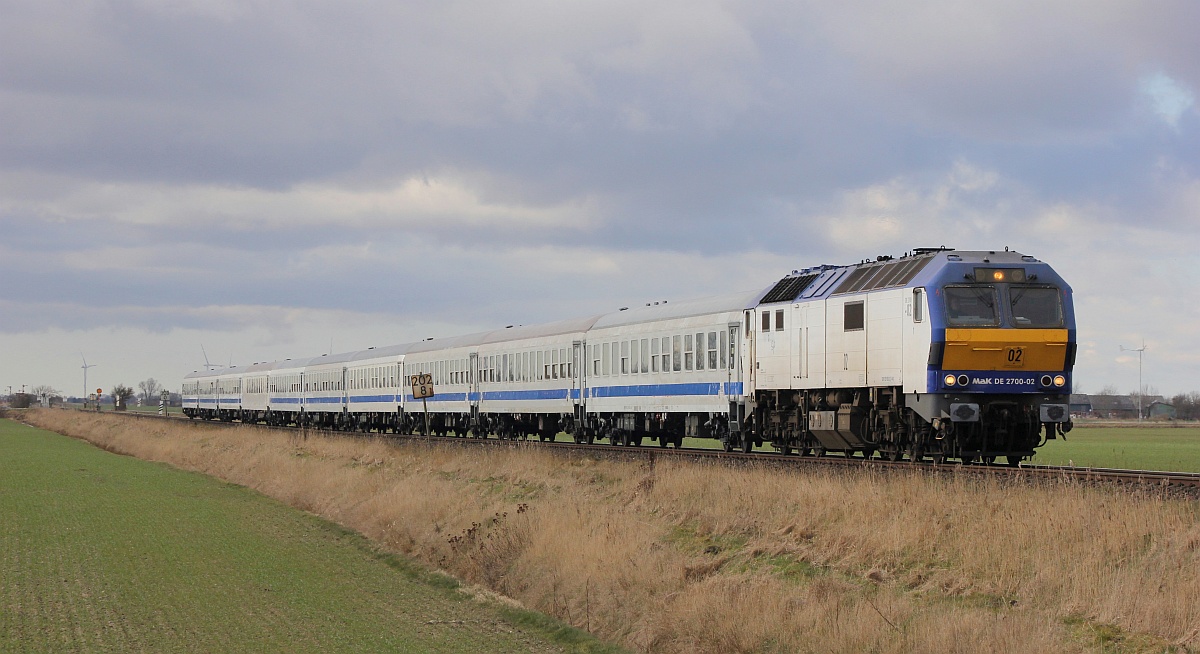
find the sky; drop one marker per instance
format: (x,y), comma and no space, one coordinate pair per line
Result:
(252,180)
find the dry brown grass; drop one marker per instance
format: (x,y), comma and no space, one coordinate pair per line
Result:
(684,557)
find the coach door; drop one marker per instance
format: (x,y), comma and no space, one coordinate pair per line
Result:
(473,388)
(577,380)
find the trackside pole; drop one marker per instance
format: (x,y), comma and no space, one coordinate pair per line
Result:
(425,403)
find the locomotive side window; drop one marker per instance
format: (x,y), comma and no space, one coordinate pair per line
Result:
(855,316)
(971,306)
(779,320)
(766,321)
(1036,306)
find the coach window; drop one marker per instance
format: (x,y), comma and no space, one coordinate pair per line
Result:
(676,353)
(654,355)
(666,354)
(712,351)
(624,357)
(687,351)
(766,321)
(855,316)
(720,357)
(562,363)
(779,320)
(700,351)
(635,355)
(645,356)
(553,364)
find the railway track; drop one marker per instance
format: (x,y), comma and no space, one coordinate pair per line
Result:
(1184,483)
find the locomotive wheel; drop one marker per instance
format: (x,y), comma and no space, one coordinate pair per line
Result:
(819,451)
(591,437)
(785,449)
(663,440)
(678,441)
(747,443)
(1013,461)
(727,444)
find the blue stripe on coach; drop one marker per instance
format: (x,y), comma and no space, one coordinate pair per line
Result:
(666,390)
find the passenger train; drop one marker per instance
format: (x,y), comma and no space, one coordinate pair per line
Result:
(936,354)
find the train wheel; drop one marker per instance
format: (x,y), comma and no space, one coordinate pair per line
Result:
(678,441)
(1013,461)
(663,440)
(726,444)
(747,443)
(785,449)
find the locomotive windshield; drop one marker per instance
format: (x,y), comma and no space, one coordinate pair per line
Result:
(971,306)
(1036,306)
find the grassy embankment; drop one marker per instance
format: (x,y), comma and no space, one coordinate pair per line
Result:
(106,553)
(683,557)
(1131,447)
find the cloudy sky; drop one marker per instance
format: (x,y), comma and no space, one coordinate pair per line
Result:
(267,179)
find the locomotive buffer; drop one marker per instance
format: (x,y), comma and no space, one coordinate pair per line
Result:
(422,387)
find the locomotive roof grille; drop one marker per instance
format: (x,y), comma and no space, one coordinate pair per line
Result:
(885,275)
(789,288)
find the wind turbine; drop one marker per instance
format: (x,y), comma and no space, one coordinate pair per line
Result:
(1140,350)
(85,367)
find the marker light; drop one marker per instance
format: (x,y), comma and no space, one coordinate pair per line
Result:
(1060,381)
(963,380)
(950,380)
(1046,381)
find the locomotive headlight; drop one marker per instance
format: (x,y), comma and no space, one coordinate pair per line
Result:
(963,380)
(950,380)
(1060,381)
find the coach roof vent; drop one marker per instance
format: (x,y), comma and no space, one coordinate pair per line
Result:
(789,288)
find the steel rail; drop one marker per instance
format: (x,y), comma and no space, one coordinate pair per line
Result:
(1187,482)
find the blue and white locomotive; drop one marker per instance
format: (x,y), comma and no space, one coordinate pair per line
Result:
(939,353)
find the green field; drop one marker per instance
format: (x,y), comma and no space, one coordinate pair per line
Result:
(100,552)
(1141,448)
